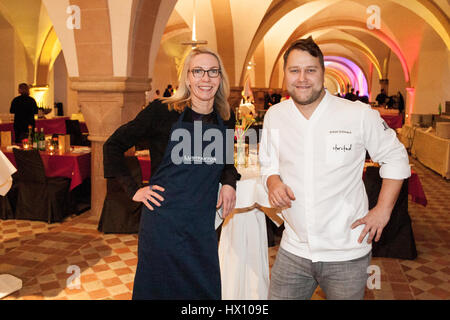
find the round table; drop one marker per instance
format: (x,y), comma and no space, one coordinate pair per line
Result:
(243,250)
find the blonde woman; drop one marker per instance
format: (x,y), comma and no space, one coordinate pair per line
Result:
(177,250)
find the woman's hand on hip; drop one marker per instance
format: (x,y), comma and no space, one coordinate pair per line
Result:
(227,199)
(147,194)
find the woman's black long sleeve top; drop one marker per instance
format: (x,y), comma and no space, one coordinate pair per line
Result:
(152,124)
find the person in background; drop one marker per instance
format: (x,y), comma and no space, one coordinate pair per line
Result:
(401,105)
(178,248)
(24,108)
(381,98)
(350,95)
(276,97)
(268,102)
(168,92)
(364,99)
(390,102)
(157,95)
(312,156)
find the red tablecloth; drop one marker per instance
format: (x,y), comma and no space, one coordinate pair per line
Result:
(415,189)
(146,169)
(76,166)
(51,126)
(394,121)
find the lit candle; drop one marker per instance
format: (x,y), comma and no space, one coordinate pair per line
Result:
(25,144)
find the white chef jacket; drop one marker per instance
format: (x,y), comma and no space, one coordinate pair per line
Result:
(322,161)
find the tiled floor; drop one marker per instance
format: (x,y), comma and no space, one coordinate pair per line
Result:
(46,257)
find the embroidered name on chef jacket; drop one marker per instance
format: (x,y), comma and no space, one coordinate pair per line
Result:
(338,144)
(343,147)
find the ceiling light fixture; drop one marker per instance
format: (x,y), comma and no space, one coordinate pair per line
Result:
(194,42)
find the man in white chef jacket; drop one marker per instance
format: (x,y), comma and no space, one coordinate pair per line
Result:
(312,157)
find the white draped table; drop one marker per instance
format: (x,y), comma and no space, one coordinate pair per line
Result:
(243,250)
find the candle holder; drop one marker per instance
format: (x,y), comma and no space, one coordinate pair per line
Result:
(26,144)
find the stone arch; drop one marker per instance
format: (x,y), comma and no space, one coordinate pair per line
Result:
(339,77)
(367,75)
(339,61)
(431,14)
(367,52)
(225,36)
(425,9)
(350,24)
(48,54)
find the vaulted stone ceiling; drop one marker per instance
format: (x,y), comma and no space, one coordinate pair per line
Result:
(371,38)
(259,30)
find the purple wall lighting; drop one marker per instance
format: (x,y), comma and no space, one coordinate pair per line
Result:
(354,73)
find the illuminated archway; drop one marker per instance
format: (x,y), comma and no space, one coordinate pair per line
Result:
(427,10)
(339,76)
(360,79)
(48,54)
(365,51)
(352,25)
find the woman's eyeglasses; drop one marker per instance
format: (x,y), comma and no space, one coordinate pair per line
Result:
(199,73)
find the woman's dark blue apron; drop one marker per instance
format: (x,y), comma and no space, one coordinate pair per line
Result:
(177,249)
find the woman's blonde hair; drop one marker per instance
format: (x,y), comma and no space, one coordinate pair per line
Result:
(182,97)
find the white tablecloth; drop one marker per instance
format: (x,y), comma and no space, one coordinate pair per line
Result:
(6,171)
(243,251)
(431,150)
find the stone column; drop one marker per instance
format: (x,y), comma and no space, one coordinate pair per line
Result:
(409,104)
(106,104)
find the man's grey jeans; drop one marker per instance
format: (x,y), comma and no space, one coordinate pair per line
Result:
(296,278)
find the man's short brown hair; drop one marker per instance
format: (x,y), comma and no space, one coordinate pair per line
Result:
(23,86)
(307,45)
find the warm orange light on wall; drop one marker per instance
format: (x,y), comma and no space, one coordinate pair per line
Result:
(411,97)
(39,94)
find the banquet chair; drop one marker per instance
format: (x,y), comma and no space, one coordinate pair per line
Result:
(9,200)
(76,137)
(397,238)
(120,214)
(39,197)
(6,209)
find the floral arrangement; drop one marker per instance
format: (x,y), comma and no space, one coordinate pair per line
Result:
(242,124)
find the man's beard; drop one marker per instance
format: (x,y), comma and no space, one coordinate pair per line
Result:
(314,96)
